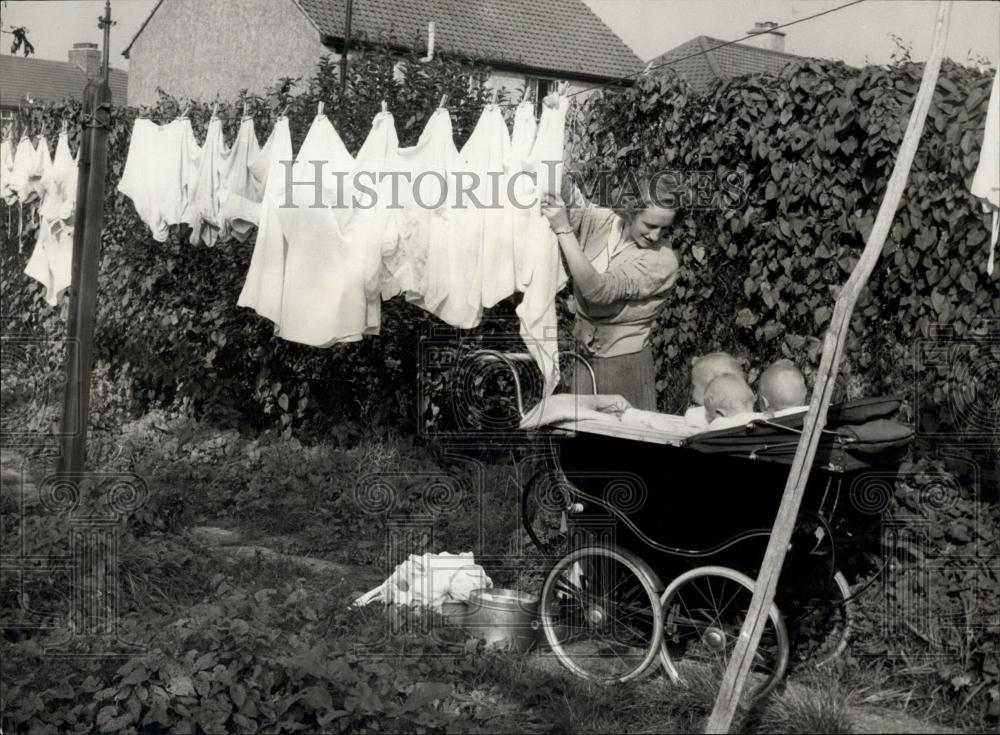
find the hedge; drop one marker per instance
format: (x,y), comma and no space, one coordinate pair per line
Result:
(800,161)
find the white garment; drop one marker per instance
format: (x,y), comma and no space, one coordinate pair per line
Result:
(374,223)
(59,186)
(740,419)
(428,580)
(489,217)
(572,407)
(986,182)
(789,411)
(51,262)
(202,212)
(7,172)
(696,418)
(28,169)
(266,274)
(665,422)
(523,214)
(44,168)
(242,186)
(161,172)
(540,254)
(323,298)
(449,288)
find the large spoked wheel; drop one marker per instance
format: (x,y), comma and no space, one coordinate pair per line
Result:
(600,610)
(703,612)
(819,619)
(814,597)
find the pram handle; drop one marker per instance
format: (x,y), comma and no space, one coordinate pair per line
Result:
(509,358)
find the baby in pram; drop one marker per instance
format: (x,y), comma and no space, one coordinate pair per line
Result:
(719,391)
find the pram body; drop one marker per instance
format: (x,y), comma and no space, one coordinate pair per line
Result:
(642,507)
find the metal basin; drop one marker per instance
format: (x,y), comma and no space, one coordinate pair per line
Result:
(504,618)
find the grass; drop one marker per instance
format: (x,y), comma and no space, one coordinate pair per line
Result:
(821,707)
(308,498)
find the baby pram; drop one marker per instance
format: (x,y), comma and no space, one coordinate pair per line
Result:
(640,506)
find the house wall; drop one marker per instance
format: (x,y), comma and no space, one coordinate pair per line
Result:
(204,48)
(514,84)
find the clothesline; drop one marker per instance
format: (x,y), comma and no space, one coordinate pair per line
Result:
(320,273)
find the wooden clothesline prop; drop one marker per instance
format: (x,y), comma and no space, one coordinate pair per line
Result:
(88,222)
(741,660)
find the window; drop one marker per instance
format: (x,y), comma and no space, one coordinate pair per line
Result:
(541,88)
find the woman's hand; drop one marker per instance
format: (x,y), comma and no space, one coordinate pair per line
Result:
(554,210)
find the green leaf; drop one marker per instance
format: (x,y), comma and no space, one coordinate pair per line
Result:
(424,693)
(106,715)
(745,318)
(318,698)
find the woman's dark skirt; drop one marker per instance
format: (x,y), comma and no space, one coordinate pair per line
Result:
(632,376)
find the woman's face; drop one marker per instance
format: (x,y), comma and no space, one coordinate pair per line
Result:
(649,226)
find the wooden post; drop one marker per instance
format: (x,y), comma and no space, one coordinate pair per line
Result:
(833,346)
(88,222)
(70,423)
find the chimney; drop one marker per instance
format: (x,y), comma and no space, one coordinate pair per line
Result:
(88,57)
(765,36)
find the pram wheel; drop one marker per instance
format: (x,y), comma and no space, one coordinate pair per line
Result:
(600,610)
(814,596)
(820,619)
(703,612)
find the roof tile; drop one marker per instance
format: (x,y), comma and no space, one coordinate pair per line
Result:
(45,80)
(701,63)
(556,36)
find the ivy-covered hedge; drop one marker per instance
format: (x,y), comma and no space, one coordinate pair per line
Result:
(800,163)
(802,160)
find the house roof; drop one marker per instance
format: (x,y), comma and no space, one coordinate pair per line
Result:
(701,63)
(44,80)
(557,37)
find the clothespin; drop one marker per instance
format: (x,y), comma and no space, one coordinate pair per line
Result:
(215,111)
(561,88)
(444,101)
(319,108)
(64,128)
(184,112)
(284,113)
(493,100)
(245,115)
(385,108)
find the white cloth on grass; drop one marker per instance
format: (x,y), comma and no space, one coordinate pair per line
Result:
(428,580)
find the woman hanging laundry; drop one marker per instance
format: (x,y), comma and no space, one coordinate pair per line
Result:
(621,268)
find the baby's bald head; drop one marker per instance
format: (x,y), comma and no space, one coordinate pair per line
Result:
(706,368)
(727,395)
(782,386)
